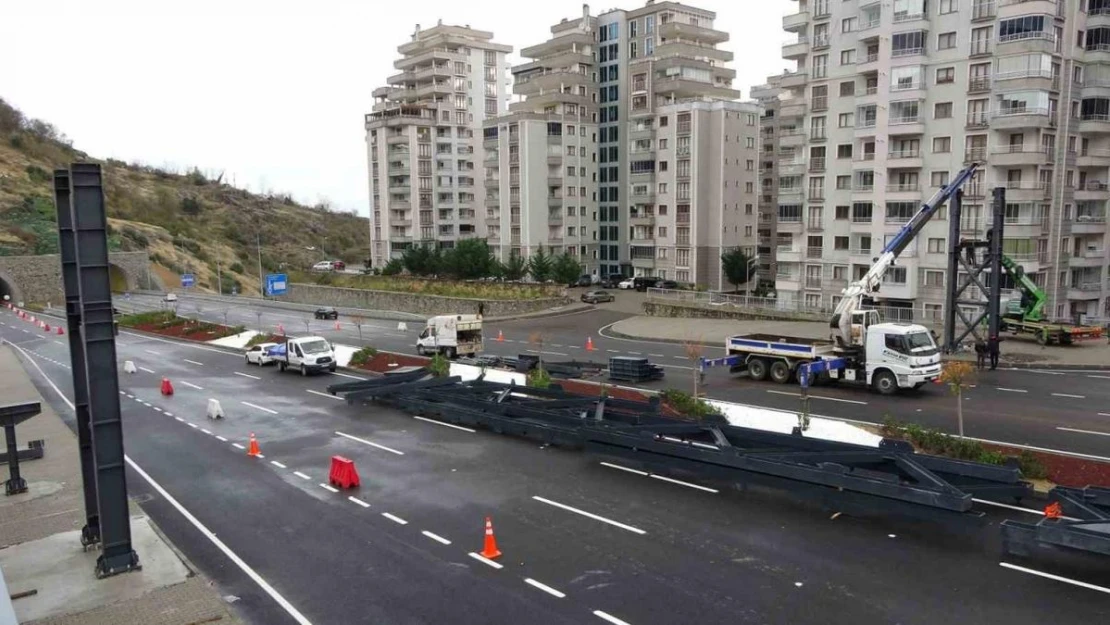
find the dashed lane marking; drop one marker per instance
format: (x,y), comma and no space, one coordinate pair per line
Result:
(657,355)
(1073,582)
(346,375)
(237,446)
(1083,431)
(1100,377)
(191,385)
(221,439)
(436,537)
(485,560)
(145,369)
(324,394)
(151,352)
(278,464)
(686,484)
(246,375)
(610,618)
(544,587)
(206,431)
(301,475)
(449,425)
(589,515)
(396,519)
(193,362)
(843,401)
(1011,390)
(180,419)
(247,403)
(1069,395)
(328,487)
(372,444)
(617,466)
(358,501)
(194,426)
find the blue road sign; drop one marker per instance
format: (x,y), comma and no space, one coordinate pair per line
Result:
(188,280)
(275,284)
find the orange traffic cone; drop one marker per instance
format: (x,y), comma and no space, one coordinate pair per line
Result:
(281,329)
(46,327)
(253,450)
(1053,510)
(336,324)
(500,337)
(490,550)
(590,344)
(59,329)
(167,387)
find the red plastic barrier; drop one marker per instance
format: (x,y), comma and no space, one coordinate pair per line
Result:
(167,387)
(343,473)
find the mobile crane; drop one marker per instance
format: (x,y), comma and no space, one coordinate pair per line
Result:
(884,356)
(1026,315)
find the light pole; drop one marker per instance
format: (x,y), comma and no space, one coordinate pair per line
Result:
(261,278)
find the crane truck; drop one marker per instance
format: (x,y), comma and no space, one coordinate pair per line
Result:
(1026,314)
(861,350)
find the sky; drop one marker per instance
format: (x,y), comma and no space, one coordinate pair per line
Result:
(272,93)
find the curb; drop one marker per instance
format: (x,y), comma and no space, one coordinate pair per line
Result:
(570,309)
(611,333)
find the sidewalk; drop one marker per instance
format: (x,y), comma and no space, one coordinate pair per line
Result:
(40,548)
(1019,352)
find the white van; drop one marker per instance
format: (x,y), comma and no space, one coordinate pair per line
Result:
(309,354)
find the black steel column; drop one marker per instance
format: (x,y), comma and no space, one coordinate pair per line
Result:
(998,208)
(90,534)
(98,342)
(955,209)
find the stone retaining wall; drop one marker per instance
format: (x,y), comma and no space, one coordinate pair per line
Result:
(424,305)
(39,278)
(700,311)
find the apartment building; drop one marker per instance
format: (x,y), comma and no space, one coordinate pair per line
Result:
(771,134)
(541,156)
(424,139)
(627,149)
(895,97)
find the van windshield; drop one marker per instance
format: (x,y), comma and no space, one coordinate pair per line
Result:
(315,347)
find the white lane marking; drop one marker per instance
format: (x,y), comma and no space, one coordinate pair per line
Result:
(193,362)
(1073,582)
(145,369)
(180,419)
(396,519)
(328,487)
(657,355)
(613,351)
(617,466)
(485,560)
(1100,377)
(247,403)
(686,484)
(194,426)
(1083,431)
(1104,414)
(679,357)
(221,439)
(843,401)
(610,618)
(346,375)
(143,402)
(207,533)
(27,331)
(439,539)
(206,431)
(366,442)
(544,587)
(556,345)
(191,385)
(449,425)
(1069,395)
(157,408)
(152,352)
(170,414)
(278,464)
(1046,372)
(237,446)
(1011,390)
(301,475)
(547,353)
(1017,508)
(130,396)
(63,345)
(324,394)
(636,353)
(589,515)
(1073,454)
(246,375)
(358,501)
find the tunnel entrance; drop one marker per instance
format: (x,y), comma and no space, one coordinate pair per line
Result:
(9,289)
(118,279)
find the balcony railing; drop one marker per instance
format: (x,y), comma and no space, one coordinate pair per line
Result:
(983,10)
(1090,217)
(904,119)
(897,154)
(907,52)
(911,187)
(870,58)
(817,163)
(1094,117)
(1020,110)
(907,86)
(819,103)
(977,119)
(814,252)
(979,84)
(817,134)
(861,251)
(1032,34)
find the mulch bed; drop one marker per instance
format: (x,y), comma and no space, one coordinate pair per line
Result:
(192,331)
(380,363)
(1066,470)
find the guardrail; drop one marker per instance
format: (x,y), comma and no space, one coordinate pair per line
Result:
(253,300)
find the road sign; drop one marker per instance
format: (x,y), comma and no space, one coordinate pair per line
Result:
(275,284)
(188,280)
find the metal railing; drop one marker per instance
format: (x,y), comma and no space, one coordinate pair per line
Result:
(712,300)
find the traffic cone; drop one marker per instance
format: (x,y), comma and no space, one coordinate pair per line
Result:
(500,337)
(281,329)
(489,549)
(253,451)
(336,324)
(590,344)
(59,329)
(167,387)
(1053,510)
(46,327)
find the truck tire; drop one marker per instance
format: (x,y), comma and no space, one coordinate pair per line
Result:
(885,382)
(1042,337)
(304,371)
(757,369)
(451,353)
(780,372)
(281,367)
(420,350)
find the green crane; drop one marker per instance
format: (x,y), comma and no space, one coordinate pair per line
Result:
(1031,306)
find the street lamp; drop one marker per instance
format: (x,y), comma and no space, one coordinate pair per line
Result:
(748,275)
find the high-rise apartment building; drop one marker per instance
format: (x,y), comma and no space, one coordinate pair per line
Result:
(771,135)
(424,139)
(627,149)
(894,97)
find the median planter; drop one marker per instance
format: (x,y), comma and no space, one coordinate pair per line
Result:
(380,362)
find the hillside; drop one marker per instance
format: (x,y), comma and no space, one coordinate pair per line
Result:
(187,222)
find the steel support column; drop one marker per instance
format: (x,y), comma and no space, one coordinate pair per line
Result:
(98,345)
(955,209)
(994,258)
(966,255)
(90,533)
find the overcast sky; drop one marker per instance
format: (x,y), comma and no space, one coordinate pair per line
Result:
(273,92)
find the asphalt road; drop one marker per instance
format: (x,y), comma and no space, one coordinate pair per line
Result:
(399,551)
(1055,410)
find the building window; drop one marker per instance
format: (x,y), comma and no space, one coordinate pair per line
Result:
(946,41)
(950,6)
(942,145)
(939,178)
(848,88)
(936,246)
(847,24)
(905,44)
(946,75)
(942,110)
(847,57)
(844,150)
(842,211)
(843,182)
(846,120)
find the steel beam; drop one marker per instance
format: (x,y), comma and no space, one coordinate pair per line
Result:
(10,416)
(90,533)
(994,260)
(98,346)
(955,209)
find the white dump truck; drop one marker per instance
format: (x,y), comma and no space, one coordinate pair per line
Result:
(451,335)
(307,354)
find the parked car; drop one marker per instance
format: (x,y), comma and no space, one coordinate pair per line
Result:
(666,284)
(338,265)
(257,355)
(324,265)
(584,280)
(644,283)
(626,284)
(326,313)
(596,297)
(170,297)
(611,281)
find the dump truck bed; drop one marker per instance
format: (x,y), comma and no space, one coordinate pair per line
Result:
(780,346)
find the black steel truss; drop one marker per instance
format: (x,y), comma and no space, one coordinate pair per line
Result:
(891,479)
(1084,524)
(976,259)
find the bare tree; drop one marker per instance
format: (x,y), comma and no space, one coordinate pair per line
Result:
(199,309)
(539,339)
(358,320)
(307,323)
(225,313)
(258,316)
(694,351)
(958,375)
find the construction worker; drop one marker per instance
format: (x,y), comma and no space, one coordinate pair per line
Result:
(980,355)
(992,351)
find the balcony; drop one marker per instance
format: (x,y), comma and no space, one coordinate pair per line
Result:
(796,50)
(865,127)
(817,164)
(1089,221)
(1029,41)
(1088,257)
(906,124)
(794,138)
(816,194)
(788,254)
(975,155)
(1093,158)
(1092,190)
(903,191)
(641,219)
(794,166)
(815,252)
(793,80)
(681,30)
(1017,191)
(1094,123)
(1021,117)
(1020,155)
(981,11)
(861,254)
(795,22)
(905,158)
(980,84)
(1084,290)
(977,120)
(819,103)
(866,62)
(792,108)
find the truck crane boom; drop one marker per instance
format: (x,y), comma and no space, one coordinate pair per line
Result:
(870,283)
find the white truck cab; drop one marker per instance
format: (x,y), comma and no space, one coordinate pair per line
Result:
(900,355)
(451,335)
(308,354)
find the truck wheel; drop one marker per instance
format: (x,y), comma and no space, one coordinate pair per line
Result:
(780,372)
(451,353)
(757,369)
(1042,337)
(885,382)
(281,367)
(420,350)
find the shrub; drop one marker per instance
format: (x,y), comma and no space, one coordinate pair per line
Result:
(236,268)
(363,356)
(440,366)
(1031,466)
(258,339)
(37,174)
(685,404)
(539,378)
(938,443)
(148,317)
